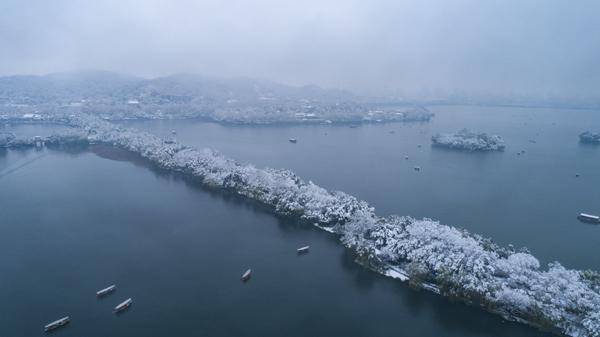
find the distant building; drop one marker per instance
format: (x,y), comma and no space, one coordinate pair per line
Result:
(38,141)
(304,115)
(32,116)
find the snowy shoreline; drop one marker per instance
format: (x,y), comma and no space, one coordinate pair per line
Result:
(436,257)
(252,116)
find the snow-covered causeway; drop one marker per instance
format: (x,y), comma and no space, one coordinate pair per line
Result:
(437,257)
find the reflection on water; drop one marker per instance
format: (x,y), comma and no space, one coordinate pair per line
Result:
(75,222)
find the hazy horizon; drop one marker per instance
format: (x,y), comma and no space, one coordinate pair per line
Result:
(503,48)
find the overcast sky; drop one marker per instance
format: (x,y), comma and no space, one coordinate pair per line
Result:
(504,47)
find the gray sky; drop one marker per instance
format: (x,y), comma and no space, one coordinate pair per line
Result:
(504,47)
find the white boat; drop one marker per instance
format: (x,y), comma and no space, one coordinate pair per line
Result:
(303,250)
(589,218)
(246,275)
(57,324)
(106,291)
(123,305)
(292,140)
(417,168)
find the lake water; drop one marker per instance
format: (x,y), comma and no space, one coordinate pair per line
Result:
(73,222)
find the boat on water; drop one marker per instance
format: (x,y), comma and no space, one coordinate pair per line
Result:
(588,218)
(292,140)
(417,168)
(123,305)
(106,291)
(303,250)
(57,324)
(246,275)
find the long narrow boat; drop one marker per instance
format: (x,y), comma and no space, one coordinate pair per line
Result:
(123,305)
(106,291)
(303,250)
(589,218)
(246,275)
(57,324)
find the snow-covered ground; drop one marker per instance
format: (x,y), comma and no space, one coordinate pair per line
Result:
(469,141)
(434,256)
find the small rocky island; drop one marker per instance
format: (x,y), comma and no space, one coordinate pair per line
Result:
(590,137)
(469,141)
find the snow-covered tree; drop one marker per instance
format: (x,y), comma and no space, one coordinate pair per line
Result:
(469,141)
(590,137)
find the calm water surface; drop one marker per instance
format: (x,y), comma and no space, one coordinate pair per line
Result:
(529,200)
(73,222)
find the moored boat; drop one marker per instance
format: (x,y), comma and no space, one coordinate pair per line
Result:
(588,218)
(106,291)
(292,140)
(303,250)
(246,275)
(57,324)
(123,305)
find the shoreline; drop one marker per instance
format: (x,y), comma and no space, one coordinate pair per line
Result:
(354,222)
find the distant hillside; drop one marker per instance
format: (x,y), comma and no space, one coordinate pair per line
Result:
(236,100)
(75,86)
